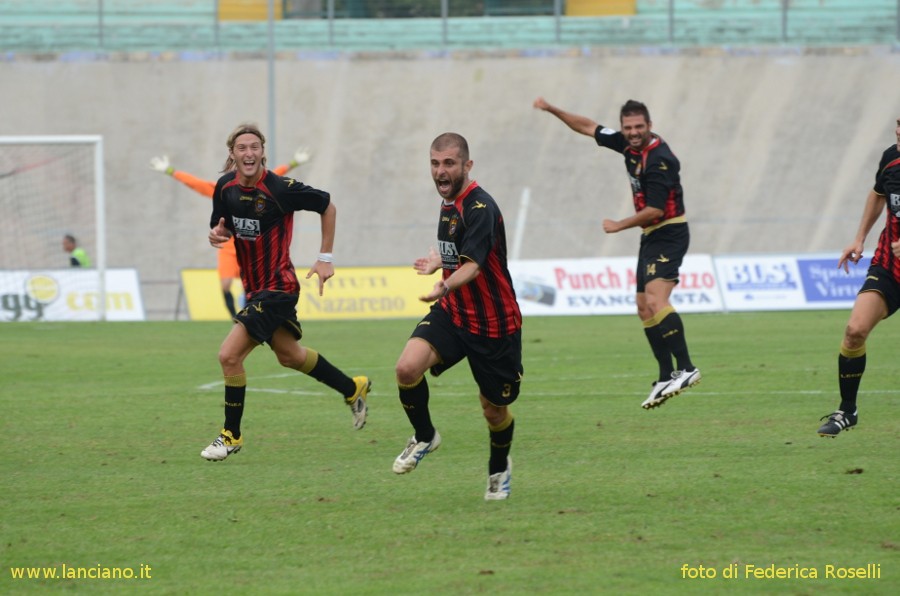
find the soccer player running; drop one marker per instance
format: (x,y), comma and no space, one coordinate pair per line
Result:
(654,172)
(256,207)
(227,260)
(879,296)
(475,316)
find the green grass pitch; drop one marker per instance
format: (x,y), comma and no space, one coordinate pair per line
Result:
(103,426)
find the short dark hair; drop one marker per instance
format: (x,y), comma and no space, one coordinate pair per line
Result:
(452,139)
(633,107)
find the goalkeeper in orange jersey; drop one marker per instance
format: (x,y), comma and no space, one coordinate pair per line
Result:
(228,265)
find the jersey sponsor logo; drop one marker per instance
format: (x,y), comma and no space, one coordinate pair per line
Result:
(635,184)
(246,228)
(895,204)
(246,198)
(449,254)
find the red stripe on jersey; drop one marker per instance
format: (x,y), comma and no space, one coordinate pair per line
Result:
(892,164)
(458,201)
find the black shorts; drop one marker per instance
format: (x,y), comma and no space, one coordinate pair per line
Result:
(880,280)
(265,312)
(496,363)
(661,254)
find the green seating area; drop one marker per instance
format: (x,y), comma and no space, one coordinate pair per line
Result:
(191,25)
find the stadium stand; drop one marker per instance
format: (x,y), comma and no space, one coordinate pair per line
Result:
(165,25)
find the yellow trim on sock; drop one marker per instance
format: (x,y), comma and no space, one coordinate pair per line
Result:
(312,359)
(503,425)
(412,385)
(848,353)
(659,317)
(236,380)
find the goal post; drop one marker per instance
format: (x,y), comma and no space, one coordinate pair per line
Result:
(54,186)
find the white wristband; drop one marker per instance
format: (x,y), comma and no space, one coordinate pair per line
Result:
(325,257)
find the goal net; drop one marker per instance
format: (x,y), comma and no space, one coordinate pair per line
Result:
(52,188)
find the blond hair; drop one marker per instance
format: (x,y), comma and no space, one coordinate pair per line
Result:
(242,129)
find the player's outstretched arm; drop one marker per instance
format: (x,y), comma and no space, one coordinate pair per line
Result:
(580,124)
(301,156)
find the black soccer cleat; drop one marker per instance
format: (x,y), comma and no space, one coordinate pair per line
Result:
(837,422)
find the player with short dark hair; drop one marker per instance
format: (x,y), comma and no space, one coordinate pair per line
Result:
(658,198)
(879,297)
(256,207)
(475,316)
(227,257)
(77,255)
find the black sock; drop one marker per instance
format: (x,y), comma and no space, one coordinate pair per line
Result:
(415,403)
(235,391)
(660,351)
(325,372)
(229,303)
(501,441)
(672,330)
(850,372)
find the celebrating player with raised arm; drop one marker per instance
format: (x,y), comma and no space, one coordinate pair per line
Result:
(654,172)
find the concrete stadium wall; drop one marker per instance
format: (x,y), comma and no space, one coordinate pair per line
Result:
(778,147)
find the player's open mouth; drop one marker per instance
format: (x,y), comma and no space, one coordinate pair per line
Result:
(443,185)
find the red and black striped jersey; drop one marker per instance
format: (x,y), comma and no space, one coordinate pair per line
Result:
(471,228)
(654,171)
(887,184)
(262,221)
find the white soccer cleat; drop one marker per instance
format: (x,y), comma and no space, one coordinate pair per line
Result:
(498,485)
(656,398)
(357,401)
(414,452)
(223,446)
(681,380)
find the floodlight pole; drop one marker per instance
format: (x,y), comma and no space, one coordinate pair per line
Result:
(445,12)
(272,149)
